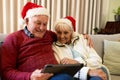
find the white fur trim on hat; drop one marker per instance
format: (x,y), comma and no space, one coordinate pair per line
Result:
(68,22)
(37,11)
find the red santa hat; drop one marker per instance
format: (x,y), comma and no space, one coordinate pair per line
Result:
(69,21)
(32,9)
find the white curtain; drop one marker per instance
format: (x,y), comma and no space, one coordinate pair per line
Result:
(86,12)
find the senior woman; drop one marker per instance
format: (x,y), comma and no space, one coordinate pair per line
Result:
(72,48)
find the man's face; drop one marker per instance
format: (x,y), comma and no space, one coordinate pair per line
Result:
(37,25)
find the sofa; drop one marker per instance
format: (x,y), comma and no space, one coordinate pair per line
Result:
(98,42)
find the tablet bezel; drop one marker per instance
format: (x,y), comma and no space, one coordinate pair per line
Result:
(70,69)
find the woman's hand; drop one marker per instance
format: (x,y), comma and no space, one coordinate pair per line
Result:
(37,75)
(68,61)
(97,72)
(89,41)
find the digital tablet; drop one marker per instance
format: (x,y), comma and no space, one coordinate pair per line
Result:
(70,69)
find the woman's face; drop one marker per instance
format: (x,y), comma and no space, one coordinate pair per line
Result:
(37,25)
(64,35)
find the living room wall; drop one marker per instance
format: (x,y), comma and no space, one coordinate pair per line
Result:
(107,11)
(114,4)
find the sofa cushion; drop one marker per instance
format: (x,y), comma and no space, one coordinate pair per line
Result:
(115,77)
(98,41)
(112,56)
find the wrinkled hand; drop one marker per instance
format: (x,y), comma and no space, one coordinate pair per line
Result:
(68,61)
(89,41)
(37,75)
(97,72)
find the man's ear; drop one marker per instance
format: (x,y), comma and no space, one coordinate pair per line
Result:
(26,21)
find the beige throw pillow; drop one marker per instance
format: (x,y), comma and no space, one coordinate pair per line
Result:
(112,56)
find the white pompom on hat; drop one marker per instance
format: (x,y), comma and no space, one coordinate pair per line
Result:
(68,20)
(31,9)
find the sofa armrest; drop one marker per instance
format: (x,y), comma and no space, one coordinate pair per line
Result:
(2,36)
